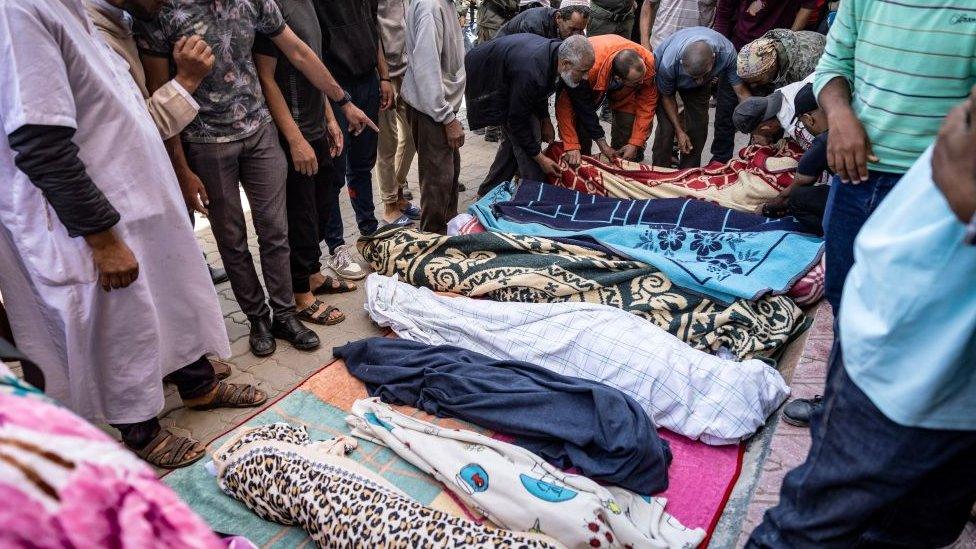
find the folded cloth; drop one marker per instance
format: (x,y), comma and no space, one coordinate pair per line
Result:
(527,269)
(517,489)
(283,476)
(697,245)
(687,391)
(569,421)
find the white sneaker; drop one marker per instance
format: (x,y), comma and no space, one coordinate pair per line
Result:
(344,265)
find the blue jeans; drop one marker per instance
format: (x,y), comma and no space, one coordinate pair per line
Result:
(848,207)
(356,161)
(870,482)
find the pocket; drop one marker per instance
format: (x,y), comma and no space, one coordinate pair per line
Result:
(51,256)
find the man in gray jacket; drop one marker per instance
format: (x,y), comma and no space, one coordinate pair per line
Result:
(433,87)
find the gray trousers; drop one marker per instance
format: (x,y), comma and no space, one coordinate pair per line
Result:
(511,159)
(258,165)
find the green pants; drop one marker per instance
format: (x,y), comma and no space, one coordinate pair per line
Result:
(608,22)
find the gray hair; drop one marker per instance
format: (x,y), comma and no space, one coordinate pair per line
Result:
(697,58)
(566,13)
(576,49)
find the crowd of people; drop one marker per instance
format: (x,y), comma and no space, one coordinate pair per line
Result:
(125,119)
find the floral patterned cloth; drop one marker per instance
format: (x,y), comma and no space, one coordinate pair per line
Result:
(64,483)
(231,103)
(527,269)
(700,246)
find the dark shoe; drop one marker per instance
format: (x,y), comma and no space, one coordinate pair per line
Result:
(798,412)
(293,331)
(411,211)
(407,194)
(261,340)
(493,135)
(605,115)
(461,188)
(217,275)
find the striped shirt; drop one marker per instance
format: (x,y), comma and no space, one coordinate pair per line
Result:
(909,62)
(674,15)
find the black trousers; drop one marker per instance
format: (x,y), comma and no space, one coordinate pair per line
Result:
(723,141)
(302,195)
(192,381)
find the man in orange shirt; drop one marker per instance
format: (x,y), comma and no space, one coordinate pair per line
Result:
(625,70)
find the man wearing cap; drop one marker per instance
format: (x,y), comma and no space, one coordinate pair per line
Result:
(686,63)
(771,118)
(780,57)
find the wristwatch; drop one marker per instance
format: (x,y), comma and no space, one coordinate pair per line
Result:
(345,99)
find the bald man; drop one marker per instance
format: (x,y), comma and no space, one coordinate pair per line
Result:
(686,64)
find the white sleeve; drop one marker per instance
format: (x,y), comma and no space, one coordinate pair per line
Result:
(34,87)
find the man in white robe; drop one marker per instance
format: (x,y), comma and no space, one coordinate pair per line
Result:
(99,269)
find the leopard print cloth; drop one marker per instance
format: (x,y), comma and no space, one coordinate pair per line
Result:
(281,475)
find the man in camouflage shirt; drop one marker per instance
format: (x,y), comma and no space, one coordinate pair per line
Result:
(779,58)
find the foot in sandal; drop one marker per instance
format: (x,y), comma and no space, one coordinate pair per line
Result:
(169,451)
(312,310)
(228,395)
(325,284)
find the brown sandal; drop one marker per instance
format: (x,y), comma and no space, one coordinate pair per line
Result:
(324,318)
(169,451)
(233,395)
(328,286)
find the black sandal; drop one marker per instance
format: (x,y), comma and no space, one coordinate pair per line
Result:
(328,286)
(324,318)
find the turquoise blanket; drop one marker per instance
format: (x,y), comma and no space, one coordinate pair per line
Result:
(723,264)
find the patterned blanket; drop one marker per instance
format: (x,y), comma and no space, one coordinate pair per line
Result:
(719,252)
(506,267)
(745,183)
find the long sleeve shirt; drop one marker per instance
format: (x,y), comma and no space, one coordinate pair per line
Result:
(434,81)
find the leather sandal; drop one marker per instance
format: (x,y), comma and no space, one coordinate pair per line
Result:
(308,314)
(333,286)
(169,451)
(233,395)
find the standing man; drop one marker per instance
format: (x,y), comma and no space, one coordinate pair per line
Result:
(233,143)
(99,268)
(492,15)
(612,17)
(624,71)
(351,48)
(891,464)
(686,62)
(396,149)
(433,88)
(743,21)
(571,18)
(660,19)
(509,84)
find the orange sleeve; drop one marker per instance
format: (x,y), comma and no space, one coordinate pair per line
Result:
(566,121)
(646,103)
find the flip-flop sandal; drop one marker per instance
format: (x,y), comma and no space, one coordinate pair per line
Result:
(324,318)
(328,286)
(233,395)
(169,451)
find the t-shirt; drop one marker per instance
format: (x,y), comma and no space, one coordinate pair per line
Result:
(907,322)
(814,161)
(671,76)
(793,128)
(305,101)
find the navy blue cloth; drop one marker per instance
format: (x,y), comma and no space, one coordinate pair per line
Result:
(562,208)
(570,422)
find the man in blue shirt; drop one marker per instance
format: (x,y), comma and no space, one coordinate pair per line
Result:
(894,444)
(686,63)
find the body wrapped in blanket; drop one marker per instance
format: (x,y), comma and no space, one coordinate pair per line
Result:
(539,270)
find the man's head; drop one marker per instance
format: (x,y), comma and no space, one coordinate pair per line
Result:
(575,59)
(757,116)
(629,68)
(698,61)
(572,18)
(757,63)
(145,10)
(809,113)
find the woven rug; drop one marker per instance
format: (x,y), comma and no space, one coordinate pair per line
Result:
(701,476)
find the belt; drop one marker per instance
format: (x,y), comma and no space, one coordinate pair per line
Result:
(610,15)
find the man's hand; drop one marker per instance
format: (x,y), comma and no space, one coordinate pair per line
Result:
(387,95)
(548,165)
(357,119)
(954,159)
(193,59)
(629,152)
(548,132)
(116,264)
(607,151)
(303,155)
(775,208)
(194,193)
(684,142)
(335,138)
(573,158)
(455,134)
(848,147)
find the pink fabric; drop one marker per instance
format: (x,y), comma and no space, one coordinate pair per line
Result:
(809,289)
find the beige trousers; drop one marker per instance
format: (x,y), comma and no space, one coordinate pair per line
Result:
(395,150)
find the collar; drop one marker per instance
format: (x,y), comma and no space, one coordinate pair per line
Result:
(115,15)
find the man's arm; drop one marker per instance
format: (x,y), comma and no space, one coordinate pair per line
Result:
(954,159)
(309,64)
(171,104)
(387,95)
(302,154)
(522,109)
(803,15)
(647,16)
(646,98)
(584,105)
(671,111)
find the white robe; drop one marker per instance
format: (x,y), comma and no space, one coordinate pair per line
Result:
(103,353)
